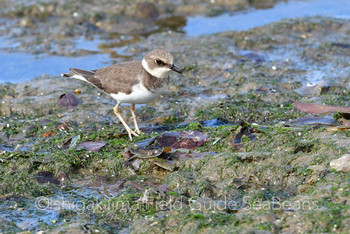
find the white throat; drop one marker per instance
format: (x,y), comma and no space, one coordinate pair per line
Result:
(159,72)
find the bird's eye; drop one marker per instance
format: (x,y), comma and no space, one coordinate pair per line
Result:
(159,62)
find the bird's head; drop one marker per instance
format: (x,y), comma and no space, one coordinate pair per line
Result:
(159,62)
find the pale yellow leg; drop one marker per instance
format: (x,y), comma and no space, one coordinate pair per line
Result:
(128,129)
(132,109)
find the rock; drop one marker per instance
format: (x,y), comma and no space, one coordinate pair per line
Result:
(62,176)
(2,126)
(238,4)
(262,4)
(310,90)
(248,87)
(341,164)
(69,101)
(44,177)
(136,164)
(325,120)
(265,218)
(5,109)
(92,146)
(26,22)
(146,10)
(317,168)
(303,188)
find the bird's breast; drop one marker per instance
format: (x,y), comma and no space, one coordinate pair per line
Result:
(139,95)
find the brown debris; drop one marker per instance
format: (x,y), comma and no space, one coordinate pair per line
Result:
(345,122)
(136,185)
(319,109)
(48,134)
(63,127)
(183,140)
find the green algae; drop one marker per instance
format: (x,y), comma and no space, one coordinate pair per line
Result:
(72,161)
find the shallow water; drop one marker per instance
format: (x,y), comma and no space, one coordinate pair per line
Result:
(19,67)
(27,216)
(257,18)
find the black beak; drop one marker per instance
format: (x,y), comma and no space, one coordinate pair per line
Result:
(176,69)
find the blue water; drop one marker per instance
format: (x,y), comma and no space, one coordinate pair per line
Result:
(19,67)
(257,18)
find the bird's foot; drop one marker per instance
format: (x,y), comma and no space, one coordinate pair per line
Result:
(131,132)
(137,130)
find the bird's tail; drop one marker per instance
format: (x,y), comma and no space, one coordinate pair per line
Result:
(84,75)
(66,74)
(79,72)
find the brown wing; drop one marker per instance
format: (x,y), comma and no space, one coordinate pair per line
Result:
(120,77)
(113,79)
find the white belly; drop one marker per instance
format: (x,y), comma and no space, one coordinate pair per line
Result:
(139,95)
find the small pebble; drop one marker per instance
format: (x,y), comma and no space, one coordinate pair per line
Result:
(77,91)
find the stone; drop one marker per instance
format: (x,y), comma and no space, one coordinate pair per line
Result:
(341,164)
